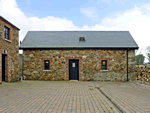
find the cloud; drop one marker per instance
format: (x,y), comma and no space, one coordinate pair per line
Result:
(18,18)
(89,12)
(136,21)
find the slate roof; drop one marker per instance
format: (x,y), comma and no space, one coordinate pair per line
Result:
(70,39)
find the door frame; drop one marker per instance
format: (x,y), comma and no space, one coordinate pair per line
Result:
(6,67)
(77,68)
(67,66)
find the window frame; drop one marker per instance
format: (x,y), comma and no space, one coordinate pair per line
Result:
(6,33)
(104,65)
(107,60)
(43,62)
(45,67)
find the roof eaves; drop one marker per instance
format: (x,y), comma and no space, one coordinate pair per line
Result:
(8,22)
(77,47)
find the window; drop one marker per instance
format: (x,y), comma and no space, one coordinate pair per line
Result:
(104,64)
(46,65)
(6,29)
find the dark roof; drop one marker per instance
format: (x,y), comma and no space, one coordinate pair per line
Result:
(8,22)
(70,39)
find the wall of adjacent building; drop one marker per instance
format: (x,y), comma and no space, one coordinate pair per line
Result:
(89,64)
(20,64)
(12,53)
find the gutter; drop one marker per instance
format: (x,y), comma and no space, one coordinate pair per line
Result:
(78,47)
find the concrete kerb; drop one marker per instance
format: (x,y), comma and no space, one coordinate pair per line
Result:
(114,103)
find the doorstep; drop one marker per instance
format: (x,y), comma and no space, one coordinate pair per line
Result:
(73,80)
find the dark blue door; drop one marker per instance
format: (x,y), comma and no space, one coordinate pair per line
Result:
(74,69)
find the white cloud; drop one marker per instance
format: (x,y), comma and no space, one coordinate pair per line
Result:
(133,20)
(136,21)
(18,18)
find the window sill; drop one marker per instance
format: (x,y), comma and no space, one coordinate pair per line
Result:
(8,40)
(47,70)
(104,70)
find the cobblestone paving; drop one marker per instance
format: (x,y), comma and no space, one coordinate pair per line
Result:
(53,97)
(129,96)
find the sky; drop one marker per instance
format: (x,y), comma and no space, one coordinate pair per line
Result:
(103,15)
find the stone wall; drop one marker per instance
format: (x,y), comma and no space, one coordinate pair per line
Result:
(131,64)
(89,64)
(141,73)
(12,53)
(20,65)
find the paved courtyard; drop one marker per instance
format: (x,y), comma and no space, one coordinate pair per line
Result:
(53,97)
(74,97)
(128,96)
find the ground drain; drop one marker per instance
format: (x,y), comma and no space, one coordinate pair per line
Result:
(115,104)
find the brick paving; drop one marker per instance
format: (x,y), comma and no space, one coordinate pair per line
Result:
(128,96)
(53,97)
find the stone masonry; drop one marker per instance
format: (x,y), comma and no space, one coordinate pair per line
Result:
(89,64)
(141,73)
(12,48)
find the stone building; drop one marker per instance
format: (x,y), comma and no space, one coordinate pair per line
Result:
(9,51)
(20,65)
(78,55)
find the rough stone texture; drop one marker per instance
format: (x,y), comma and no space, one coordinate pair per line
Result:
(20,65)
(89,63)
(12,48)
(131,65)
(141,74)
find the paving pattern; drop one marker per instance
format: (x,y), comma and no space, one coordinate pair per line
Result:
(53,97)
(130,97)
